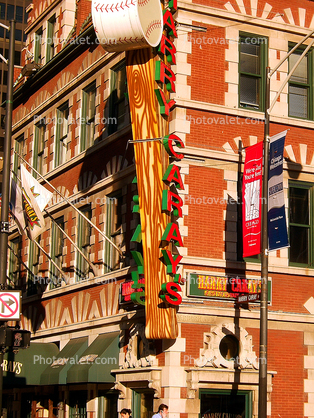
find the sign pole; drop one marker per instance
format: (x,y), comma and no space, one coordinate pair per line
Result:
(4,225)
(262,394)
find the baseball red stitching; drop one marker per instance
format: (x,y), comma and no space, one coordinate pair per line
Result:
(143,2)
(154,25)
(114,6)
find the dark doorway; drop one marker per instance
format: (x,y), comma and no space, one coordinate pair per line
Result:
(225,404)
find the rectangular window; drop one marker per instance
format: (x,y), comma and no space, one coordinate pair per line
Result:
(2,11)
(10,12)
(33,265)
(17,58)
(118,99)
(301,224)
(220,403)
(37,49)
(252,71)
(113,231)
(57,240)
(50,38)
(14,263)
(83,242)
(19,148)
(300,89)
(17,55)
(88,116)
(18,35)
(19,14)
(39,146)
(61,134)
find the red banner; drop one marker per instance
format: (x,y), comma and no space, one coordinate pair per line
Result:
(251,198)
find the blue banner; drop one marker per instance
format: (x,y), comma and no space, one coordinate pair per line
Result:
(277,226)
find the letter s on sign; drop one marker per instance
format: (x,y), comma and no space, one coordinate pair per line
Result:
(171,294)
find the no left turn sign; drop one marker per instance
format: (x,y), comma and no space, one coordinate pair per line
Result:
(10,304)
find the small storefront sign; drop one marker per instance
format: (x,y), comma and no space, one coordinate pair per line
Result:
(127,288)
(224,287)
(249,298)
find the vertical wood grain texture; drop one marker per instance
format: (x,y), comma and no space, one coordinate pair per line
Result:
(151,161)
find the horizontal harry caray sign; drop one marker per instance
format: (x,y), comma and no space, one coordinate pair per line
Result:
(223,287)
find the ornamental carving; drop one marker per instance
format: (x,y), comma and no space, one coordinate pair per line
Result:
(121,389)
(140,351)
(210,355)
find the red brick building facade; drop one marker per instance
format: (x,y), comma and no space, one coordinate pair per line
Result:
(71,122)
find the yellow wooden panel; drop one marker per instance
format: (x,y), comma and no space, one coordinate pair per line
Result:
(151,161)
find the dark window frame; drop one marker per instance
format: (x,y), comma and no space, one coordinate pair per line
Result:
(56,253)
(14,262)
(302,226)
(113,230)
(84,233)
(62,130)
(39,146)
(19,148)
(33,267)
(50,50)
(227,392)
(118,98)
(309,86)
(262,42)
(38,45)
(88,116)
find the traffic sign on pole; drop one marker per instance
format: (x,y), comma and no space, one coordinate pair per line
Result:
(10,305)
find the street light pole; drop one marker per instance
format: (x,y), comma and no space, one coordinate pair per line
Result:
(4,224)
(262,394)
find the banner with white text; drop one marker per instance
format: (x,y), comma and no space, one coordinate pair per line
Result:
(277,226)
(251,198)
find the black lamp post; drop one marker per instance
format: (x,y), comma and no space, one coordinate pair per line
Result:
(4,224)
